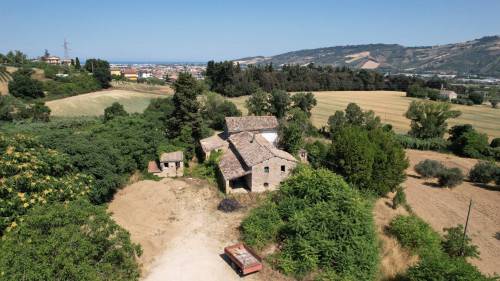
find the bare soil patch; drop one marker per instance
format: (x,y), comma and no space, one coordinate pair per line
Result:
(443,207)
(180,230)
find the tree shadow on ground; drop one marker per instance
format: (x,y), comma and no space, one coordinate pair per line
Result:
(432,184)
(414,176)
(486,186)
(497,235)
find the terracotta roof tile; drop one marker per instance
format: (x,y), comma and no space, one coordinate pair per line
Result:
(172,157)
(214,142)
(251,123)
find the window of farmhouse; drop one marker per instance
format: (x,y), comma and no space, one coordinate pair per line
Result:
(266,170)
(266,185)
(282,168)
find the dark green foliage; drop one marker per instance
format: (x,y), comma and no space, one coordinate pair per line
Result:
(323,224)
(476,98)
(370,160)
(186,107)
(280,103)
(495,143)
(258,103)
(74,241)
(292,130)
(316,153)
(399,198)
(50,71)
(429,169)
(466,141)
(40,112)
(261,225)
(214,109)
(77,63)
(93,64)
(416,91)
(442,268)
(103,76)
(354,116)
(304,102)
(450,177)
(114,110)
(484,172)
(71,86)
(435,262)
(26,88)
(428,118)
(455,245)
(415,234)
(23,71)
(336,122)
(437,144)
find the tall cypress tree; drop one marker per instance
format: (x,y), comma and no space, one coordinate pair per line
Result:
(77,63)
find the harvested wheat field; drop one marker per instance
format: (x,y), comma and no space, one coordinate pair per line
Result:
(93,104)
(391,106)
(180,230)
(444,207)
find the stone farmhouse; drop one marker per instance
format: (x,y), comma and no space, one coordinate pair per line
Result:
(447,94)
(250,161)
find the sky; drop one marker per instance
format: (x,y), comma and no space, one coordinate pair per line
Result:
(186,30)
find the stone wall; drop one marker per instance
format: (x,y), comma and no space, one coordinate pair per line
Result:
(273,178)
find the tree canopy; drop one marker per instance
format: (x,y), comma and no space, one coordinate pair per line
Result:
(428,118)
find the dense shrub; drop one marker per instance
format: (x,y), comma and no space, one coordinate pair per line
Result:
(441,267)
(495,142)
(370,160)
(415,234)
(32,175)
(399,198)
(476,98)
(73,241)
(114,110)
(450,177)
(429,169)
(25,87)
(484,172)
(71,86)
(316,153)
(436,144)
(455,245)
(323,224)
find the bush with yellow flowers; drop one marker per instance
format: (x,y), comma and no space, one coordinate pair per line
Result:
(30,175)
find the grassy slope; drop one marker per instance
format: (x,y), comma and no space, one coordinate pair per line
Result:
(93,104)
(391,106)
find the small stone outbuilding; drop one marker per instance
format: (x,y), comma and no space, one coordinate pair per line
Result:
(171,165)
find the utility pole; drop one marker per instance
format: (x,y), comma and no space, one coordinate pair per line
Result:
(465,230)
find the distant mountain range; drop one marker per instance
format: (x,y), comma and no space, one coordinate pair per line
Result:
(480,56)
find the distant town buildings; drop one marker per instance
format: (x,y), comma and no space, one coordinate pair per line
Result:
(51,60)
(129,74)
(115,71)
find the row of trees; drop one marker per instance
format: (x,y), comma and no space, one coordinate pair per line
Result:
(232,80)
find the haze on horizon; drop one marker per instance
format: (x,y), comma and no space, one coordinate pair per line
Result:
(223,30)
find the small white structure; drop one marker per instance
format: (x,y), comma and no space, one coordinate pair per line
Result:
(144,74)
(171,165)
(447,94)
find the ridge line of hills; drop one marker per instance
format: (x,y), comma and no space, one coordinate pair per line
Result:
(479,56)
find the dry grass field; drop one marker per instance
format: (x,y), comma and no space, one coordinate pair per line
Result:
(391,106)
(93,104)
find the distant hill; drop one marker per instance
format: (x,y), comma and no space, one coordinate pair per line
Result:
(480,56)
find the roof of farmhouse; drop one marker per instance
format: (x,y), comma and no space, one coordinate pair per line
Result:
(251,123)
(172,157)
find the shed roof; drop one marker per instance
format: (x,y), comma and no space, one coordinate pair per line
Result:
(447,92)
(251,123)
(214,142)
(153,167)
(172,157)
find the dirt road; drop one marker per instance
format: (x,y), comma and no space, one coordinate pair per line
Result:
(179,228)
(443,207)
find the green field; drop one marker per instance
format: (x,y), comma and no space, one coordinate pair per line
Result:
(391,106)
(93,104)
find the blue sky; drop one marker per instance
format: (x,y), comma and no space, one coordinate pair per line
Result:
(204,30)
